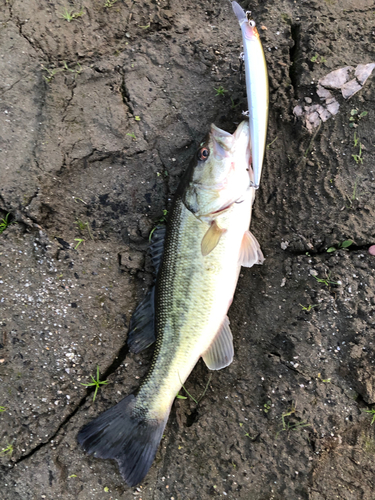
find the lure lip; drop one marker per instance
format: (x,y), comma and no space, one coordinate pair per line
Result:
(256,88)
(239,12)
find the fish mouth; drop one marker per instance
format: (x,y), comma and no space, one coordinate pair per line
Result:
(224,142)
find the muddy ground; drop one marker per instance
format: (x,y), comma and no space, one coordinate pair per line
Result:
(99,117)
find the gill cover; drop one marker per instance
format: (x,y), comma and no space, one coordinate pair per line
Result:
(221,172)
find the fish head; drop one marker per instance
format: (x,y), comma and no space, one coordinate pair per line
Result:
(221,172)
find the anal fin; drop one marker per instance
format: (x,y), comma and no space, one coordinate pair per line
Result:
(250,252)
(220,353)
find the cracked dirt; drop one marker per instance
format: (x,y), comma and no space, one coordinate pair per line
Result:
(99,117)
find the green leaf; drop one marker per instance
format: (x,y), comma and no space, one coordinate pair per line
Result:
(346,243)
(364,113)
(331,249)
(354,112)
(180,397)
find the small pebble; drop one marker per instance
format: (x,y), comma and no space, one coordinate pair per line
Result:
(371,250)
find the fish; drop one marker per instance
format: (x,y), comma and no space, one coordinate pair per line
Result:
(197,259)
(256,87)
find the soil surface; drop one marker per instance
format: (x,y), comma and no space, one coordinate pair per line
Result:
(99,117)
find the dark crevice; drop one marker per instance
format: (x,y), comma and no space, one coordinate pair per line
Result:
(192,418)
(36,46)
(66,106)
(294,54)
(125,95)
(11,86)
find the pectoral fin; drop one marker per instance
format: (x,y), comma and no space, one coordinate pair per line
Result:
(250,252)
(211,238)
(220,353)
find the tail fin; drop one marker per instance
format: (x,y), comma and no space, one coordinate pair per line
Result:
(126,436)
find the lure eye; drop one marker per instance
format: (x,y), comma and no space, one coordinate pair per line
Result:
(203,154)
(252,24)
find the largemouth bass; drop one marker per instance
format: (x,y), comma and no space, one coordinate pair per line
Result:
(198,259)
(256,87)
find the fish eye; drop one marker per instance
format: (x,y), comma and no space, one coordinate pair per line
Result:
(203,154)
(252,24)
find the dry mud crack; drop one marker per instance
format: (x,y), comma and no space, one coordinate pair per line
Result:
(99,117)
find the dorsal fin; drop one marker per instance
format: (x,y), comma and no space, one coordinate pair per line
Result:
(250,252)
(157,246)
(142,324)
(220,353)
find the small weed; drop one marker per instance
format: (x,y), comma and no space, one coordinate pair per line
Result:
(84,225)
(233,106)
(97,383)
(358,158)
(196,401)
(81,225)
(8,450)
(180,397)
(2,408)
(354,195)
(312,140)
(54,71)
(137,118)
(355,117)
(132,135)
(318,59)
(344,244)
(72,475)
(4,223)
(220,90)
(80,240)
(161,220)
(327,281)
(309,307)
(79,199)
(290,426)
(324,380)
(372,412)
(251,437)
(75,71)
(267,407)
(356,139)
(50,73)
(270,144)
(145,27)
(69,15)
(110,3)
